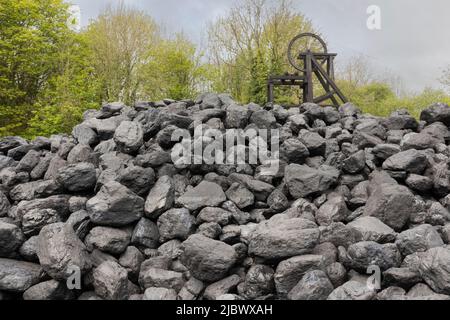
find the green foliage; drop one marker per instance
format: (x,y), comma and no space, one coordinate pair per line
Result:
(258,79)
(68,94)
(50,75)
(30,34)
(46,81)
(249,43)
(379,99)
(174,70)
(120,39)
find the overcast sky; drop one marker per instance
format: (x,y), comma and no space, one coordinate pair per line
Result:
(414,42)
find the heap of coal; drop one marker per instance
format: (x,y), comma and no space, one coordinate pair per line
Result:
(359,208)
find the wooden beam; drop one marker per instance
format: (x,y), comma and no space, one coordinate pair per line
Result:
(326,87)
(324,97)
(328,79)
(309,81)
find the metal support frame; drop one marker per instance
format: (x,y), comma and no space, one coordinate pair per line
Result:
(316,65)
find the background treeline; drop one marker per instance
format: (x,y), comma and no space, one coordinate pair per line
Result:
(50,74)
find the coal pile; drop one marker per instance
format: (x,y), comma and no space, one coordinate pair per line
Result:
(358,208)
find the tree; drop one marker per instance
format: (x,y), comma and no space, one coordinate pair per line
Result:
(121,38)
(174,70)
(356,72)
(254,32)
(258,82)
(32,34)
(73,90)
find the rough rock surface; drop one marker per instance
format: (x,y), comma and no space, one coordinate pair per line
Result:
(111,205)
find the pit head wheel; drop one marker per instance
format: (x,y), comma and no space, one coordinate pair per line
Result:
(302,44)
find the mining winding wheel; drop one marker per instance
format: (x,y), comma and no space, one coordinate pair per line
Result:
(308,54)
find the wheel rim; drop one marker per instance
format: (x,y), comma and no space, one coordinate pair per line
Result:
(306,41)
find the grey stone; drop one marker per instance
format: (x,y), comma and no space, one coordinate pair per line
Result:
(283,239)
(289,272)
(80,222)
(6,162)
(236,117)
(191,289)
(334,210)
(337,274)
(263,119)
(206,194)
(115,205)
(137,179)
(160,198)
(175,224)
(434,267)
(438,112)
(29,249)
(392,204)
(131,260)
(111,281)
(160,294)
(355,163)
(60,251)
(339,234)
(352,290)
(29,161)
(85,135)
(207,259)
(362,255)
(98,257)
(109,240)
(35,189)
(77,203)
(277,201)
(392,293)
(53,167)
(259,282)
(34,220)
(82,153)
(4,204)
(78,177)
(171,249)
(18,276)
(129,137)
(145,234)
(419,141)
(11,238)
(89,296)
(418,239)
(261,190)
(19,152)
(385,151)
(313,141)
(411,161)
(314,285)
(213,214)
(401,277)
(419,183)
(303,181)
(372,229)
(49,290)
(292,150)
(8,143)
(224,286)
(240,195)
(441,179)
(109,109)
(160,278)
